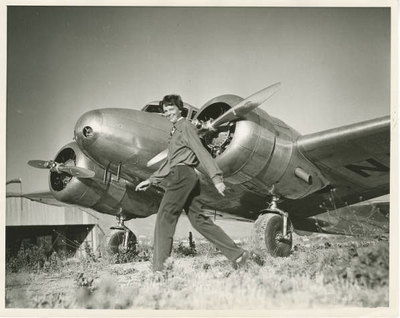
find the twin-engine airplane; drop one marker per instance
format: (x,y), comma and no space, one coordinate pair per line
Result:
(273,174)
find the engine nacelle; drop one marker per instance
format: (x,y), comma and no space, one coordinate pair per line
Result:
(103,192)
(242,148)
(258,152)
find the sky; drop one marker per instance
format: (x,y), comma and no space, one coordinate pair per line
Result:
(333,63)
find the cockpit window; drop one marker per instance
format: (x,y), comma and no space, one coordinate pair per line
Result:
(155,108)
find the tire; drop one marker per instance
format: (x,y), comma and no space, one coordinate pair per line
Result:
(116,240)
(269,231)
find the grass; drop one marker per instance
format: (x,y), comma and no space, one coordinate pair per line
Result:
(320,273)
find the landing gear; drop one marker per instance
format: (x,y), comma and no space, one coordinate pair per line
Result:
(119,244)
(122,240)
(273,231)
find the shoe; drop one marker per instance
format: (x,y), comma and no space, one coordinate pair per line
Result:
(241,260)
(158,276)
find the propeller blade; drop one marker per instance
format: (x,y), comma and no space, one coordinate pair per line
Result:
(56,167)
(41,164)
(158,158)
(246,105)
(77,171)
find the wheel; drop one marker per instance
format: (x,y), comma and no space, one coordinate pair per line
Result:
(116,240)
(269,233)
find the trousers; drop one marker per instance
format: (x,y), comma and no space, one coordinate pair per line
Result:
(182,193)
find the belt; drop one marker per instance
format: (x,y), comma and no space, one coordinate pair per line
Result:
(181,165)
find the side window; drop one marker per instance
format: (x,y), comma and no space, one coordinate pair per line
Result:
(185,112)
(193,114)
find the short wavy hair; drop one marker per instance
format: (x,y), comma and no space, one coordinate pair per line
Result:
(172,99)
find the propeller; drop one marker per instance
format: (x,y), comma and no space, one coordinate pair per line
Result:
(245,106)
(236,112)
(60,167)
(157,158)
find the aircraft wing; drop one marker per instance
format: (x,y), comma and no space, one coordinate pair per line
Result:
(354,158)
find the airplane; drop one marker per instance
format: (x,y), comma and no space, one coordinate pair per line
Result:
(275,176)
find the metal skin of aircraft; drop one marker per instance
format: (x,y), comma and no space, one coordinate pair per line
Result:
(273,174)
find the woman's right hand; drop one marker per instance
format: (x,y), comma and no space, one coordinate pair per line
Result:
(220,186)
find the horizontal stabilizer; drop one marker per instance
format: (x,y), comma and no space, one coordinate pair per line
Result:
(366,220)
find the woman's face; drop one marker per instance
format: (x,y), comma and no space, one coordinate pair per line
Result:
(172,113)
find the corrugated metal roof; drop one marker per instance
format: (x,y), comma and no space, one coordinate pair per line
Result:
(21,211)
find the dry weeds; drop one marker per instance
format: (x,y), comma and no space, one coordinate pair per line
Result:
(322,272)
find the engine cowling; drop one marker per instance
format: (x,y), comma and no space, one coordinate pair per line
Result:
(103,193)
(242,148)
(258,152)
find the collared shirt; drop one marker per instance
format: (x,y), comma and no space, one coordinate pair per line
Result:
(185,147)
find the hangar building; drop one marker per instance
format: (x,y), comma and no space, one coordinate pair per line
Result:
(57,228)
